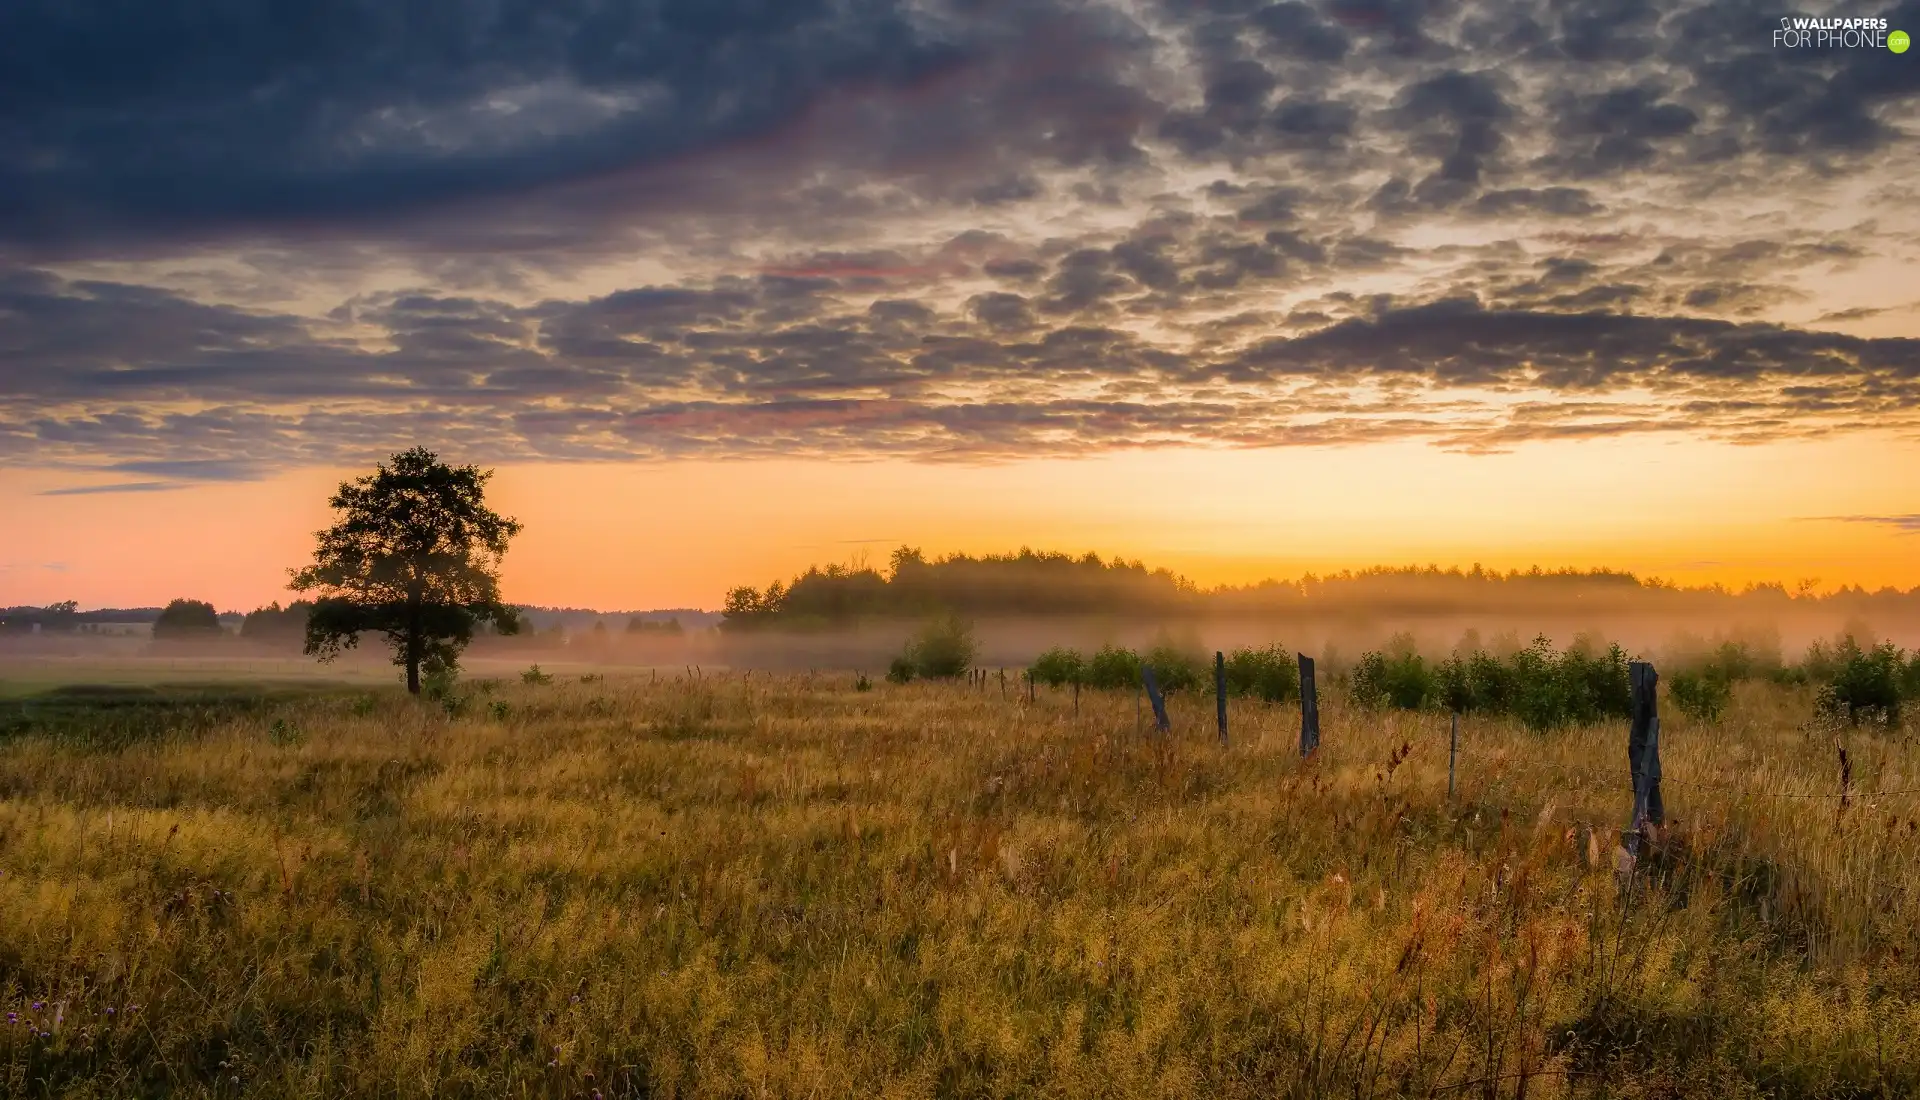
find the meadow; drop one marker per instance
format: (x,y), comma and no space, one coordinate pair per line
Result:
(739,886)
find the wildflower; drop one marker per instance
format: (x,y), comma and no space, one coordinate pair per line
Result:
(13,1017)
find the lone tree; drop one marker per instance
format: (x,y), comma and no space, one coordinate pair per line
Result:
(415,555)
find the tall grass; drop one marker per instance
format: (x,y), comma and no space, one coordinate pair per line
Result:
(754,887)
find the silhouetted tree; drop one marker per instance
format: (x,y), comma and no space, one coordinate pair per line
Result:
(183,619)
(415,555)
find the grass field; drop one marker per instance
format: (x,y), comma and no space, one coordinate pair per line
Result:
(786,887)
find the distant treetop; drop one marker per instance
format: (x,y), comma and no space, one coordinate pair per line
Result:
(187,619)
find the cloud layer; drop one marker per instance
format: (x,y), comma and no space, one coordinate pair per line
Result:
(310,233)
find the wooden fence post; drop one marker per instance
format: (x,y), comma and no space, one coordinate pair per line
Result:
(1309,708)
(1153,696)
(1003,682)
(1220,693)
(1643,750)
(1453,752)
(1846,780)
(1076,698)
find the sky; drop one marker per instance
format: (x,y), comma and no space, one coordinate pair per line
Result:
(722,288)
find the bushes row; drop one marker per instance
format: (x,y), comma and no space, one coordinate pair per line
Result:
(1855,683)
(1544,689)
(1267,673)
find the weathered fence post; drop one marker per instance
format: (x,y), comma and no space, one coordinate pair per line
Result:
(1153,696)
(1309,708)
(1076,698)
(1220,693)
(1030,685)
(1453,752)
(1003,683)
(1643,752)
(1846,780)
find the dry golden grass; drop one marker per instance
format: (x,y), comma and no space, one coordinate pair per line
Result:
(789,888)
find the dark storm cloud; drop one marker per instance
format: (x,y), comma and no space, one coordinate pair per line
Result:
(170,120)
(939,229)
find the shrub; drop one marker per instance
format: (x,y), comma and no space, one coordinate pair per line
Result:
(1865,683)
(861,682)
(1910,678)
(1113,667)
(438,680)
(943,649)
(1490,683)
(1401,680)
(1701,694)
(900,671)
(535,676)
(1176,667)
(1271,673)
(1736,663)
(1824,660)
(1596,684)
(1059,666)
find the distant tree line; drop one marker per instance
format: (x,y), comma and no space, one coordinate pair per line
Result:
(57,617)
(1028,582)
(1048,583)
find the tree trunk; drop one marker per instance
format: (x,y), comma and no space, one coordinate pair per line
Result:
(413,639)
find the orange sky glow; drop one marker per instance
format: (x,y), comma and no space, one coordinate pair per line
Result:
(678,534)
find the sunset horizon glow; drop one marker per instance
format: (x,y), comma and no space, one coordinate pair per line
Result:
(1241,290)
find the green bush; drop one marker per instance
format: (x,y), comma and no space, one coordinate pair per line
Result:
(901,670)
(1059,666)
(1701,694)
(1113,667)
(1596,683)
(862,682)
(1402,680)
(535,676)
(438,680)
(1477,682)
(943,650)
(1864,683)
(1271,673)
(1176,667)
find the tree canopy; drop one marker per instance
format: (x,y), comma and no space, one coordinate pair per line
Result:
(183,619)
(415,556)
